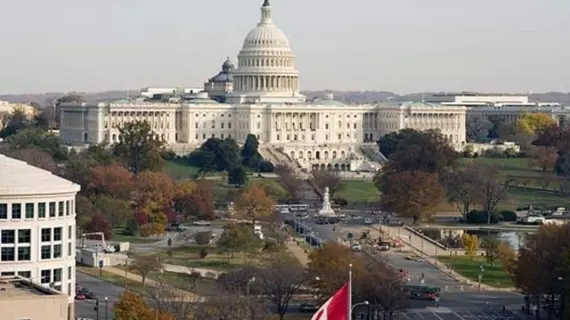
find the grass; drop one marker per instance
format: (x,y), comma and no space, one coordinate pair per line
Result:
(188,256)
(118,237)
(493,275)
(179,170)
(111,278)
(358,191)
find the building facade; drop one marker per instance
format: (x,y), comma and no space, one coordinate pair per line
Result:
(37,226)
(261,96)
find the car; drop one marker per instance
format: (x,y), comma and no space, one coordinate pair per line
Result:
(79,296)
(202,223)
(356,248)
(176,227)
(308,307)
(368,221)
(384,247)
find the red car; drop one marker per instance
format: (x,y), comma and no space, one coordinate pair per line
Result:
(79,296)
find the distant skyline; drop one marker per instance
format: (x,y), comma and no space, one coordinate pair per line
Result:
(400,46)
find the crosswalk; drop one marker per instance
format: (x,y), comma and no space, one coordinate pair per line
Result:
(443,313)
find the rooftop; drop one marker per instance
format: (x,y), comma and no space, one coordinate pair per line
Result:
(19,178)
(18,287)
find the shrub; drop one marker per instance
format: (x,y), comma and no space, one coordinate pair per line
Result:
(203,238)
(340,202)
(203,253)
(270,245)
(508,215)
(476,216)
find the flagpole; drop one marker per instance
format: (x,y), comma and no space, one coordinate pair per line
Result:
(349,316)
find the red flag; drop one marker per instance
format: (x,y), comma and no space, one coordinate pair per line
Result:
(336,308)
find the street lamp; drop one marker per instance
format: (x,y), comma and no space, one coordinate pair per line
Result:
(364,303)
(106,309)
(480,277)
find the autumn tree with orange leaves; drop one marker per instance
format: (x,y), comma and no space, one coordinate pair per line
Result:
(254,204)
(111,180)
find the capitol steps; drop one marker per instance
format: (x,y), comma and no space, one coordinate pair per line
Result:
(371,152)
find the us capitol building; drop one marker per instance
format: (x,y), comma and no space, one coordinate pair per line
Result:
(261,96)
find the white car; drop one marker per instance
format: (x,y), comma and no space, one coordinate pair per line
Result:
(202,223)
(368,221)
(356,247)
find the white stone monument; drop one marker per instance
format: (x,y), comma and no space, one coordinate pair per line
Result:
(326,209)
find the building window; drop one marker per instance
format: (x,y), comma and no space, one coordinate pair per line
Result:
(46,276)
(3,211)
(57,251)
(7,254)
(69,272)
(8,274)
(229,125)
(52,209)
(29,210)
(16,211)
(196,125)
(69,249)
(46,252)
(41,210)
(24,236)
(61,207)
(67,208)
(57,234)
(25,274)
(46,234)
(222,125)
(69,231)
(24,254)
(8,236)
(326,126)
(57,275)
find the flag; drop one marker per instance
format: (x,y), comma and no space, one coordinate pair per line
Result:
(336,308)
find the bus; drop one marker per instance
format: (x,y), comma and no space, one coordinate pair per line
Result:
(416,292)
(298,207)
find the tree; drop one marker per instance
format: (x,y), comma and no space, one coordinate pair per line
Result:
(100,224)
(182,190)
(36,158)
(544,158)
(250,153)
(493,191)
(17,121)
(562,166)
(323,179)
(38,139)
(507,256)
(254,204)
(328,268)
(477,129)
(237,237)
(118,212)
(139,147)
(198,204)
(280,281)
(491,246)
(413,194)
(131,306)
(499,127)
(289,180)
(219,304)
(153,187)
(531,123)
(463,188)
(85,212)
(144,265)
(170,304)
(216,154)
(273,189)
(110,180)
(470,244)
(237,176)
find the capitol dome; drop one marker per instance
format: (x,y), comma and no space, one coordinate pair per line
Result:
(266,65)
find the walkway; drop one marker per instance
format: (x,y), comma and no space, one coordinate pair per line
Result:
(298,252)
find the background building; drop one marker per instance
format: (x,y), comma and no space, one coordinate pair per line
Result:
(22,299)
(37,226)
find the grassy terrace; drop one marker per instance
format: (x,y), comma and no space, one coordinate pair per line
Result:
(111,278)
(493,275)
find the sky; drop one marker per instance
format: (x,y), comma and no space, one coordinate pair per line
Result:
(402,46)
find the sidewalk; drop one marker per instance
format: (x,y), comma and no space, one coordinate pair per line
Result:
(298,252)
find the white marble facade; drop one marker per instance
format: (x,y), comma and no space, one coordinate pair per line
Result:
(264,101)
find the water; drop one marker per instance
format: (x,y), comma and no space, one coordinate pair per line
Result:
(450,237)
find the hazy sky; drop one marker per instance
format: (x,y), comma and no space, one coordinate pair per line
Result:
(402,46)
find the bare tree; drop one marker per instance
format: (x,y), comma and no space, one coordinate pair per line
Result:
(36,158)
(168,300)
(280,281)
(322,179)
(227,305)
(493,190)
(144,265)
(462,188)
(289,180)
(477,128)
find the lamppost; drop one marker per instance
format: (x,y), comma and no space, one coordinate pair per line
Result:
(480,277)
(106,309)
(562,297)
(364,303)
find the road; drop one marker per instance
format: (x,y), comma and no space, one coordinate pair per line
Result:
(101,289)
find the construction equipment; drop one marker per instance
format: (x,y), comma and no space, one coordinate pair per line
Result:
(102,247)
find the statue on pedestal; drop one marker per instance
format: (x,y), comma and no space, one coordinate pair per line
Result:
(326,209)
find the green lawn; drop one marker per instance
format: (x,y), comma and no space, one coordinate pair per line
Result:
(118,237)
(358,191)
(178,170)
(493,275)
(111,278)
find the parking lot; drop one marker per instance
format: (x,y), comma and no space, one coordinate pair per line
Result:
(449,314)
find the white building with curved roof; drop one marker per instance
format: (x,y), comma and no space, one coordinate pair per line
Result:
(37,226)
(261,96)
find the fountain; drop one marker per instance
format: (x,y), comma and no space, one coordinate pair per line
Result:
(326,210)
